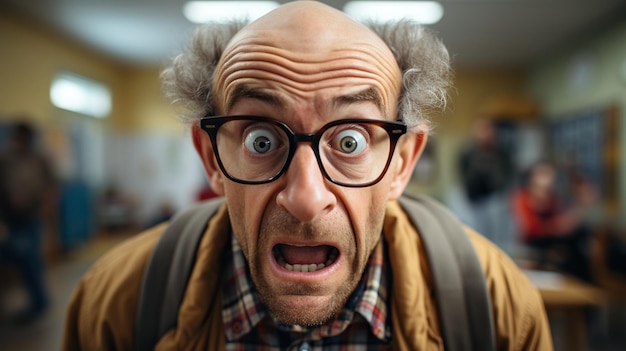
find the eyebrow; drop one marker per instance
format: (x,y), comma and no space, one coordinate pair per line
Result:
(245,91)
(367,95)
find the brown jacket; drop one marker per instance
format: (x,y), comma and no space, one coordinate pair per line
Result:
(102,311)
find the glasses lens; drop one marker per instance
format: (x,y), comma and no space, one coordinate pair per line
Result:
(352,153)
(252,150)
(355,153)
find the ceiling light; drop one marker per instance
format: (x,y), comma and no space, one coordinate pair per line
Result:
(205,11)
(425,12)
(81,95)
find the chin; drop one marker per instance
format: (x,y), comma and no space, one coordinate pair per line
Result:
(302,301)
(306,311)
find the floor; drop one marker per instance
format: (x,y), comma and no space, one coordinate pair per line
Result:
(45,333)
(606,331)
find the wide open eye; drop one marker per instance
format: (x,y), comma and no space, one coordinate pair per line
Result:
(350,141)
(261,141)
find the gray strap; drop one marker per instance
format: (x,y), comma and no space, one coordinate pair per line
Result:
(463,303)
(457,275)
(162,293)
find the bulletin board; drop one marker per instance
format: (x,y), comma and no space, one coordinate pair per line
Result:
(586,143)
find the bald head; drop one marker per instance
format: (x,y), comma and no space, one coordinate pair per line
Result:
(308,26)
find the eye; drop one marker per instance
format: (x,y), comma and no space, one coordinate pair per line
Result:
(261,141)
(350,141)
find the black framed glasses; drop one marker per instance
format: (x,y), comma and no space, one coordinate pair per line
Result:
(258,150)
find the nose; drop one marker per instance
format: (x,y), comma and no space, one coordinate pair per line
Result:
(305,194)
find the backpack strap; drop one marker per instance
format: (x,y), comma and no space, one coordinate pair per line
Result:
(463,303)
(162,293)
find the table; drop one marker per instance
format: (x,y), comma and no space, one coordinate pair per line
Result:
(571,296)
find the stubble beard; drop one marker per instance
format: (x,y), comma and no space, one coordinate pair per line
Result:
(278,221)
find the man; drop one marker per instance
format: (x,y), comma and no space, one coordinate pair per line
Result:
(486,170)
(27,190)
(305,159)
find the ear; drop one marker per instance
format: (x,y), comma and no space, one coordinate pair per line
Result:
(203,146)
(409,150)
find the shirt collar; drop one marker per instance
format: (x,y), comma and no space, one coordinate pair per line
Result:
(242,308)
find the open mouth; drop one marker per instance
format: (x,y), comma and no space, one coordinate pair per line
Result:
(304,258)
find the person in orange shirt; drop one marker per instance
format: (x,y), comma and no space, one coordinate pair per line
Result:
(546,224)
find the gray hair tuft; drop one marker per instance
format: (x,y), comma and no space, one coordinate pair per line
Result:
(425,65)
(189,80)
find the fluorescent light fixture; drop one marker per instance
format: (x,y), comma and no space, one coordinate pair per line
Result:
(205,11)
(81,95)
(425,12)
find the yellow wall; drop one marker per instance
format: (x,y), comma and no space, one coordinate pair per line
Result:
(147,108)
(30,57)
(485,92)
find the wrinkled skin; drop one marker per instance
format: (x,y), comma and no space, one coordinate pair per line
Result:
(307,64)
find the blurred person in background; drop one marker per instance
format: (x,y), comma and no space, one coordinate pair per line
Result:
(486,171)
(555,230)
(27,188)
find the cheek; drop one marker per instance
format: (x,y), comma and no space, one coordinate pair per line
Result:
(367,213)
(375,220)
(246,205)
(236,213)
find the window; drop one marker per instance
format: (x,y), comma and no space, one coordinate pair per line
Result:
(82,95)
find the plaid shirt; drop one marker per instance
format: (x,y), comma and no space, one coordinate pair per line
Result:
(363,323)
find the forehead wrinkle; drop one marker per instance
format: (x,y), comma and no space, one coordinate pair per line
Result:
(258,59)
(358,54)
(305,83)
(304,75)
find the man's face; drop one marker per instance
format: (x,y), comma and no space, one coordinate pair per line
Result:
(292,67)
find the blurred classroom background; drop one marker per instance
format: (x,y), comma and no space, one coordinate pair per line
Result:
(529,150)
